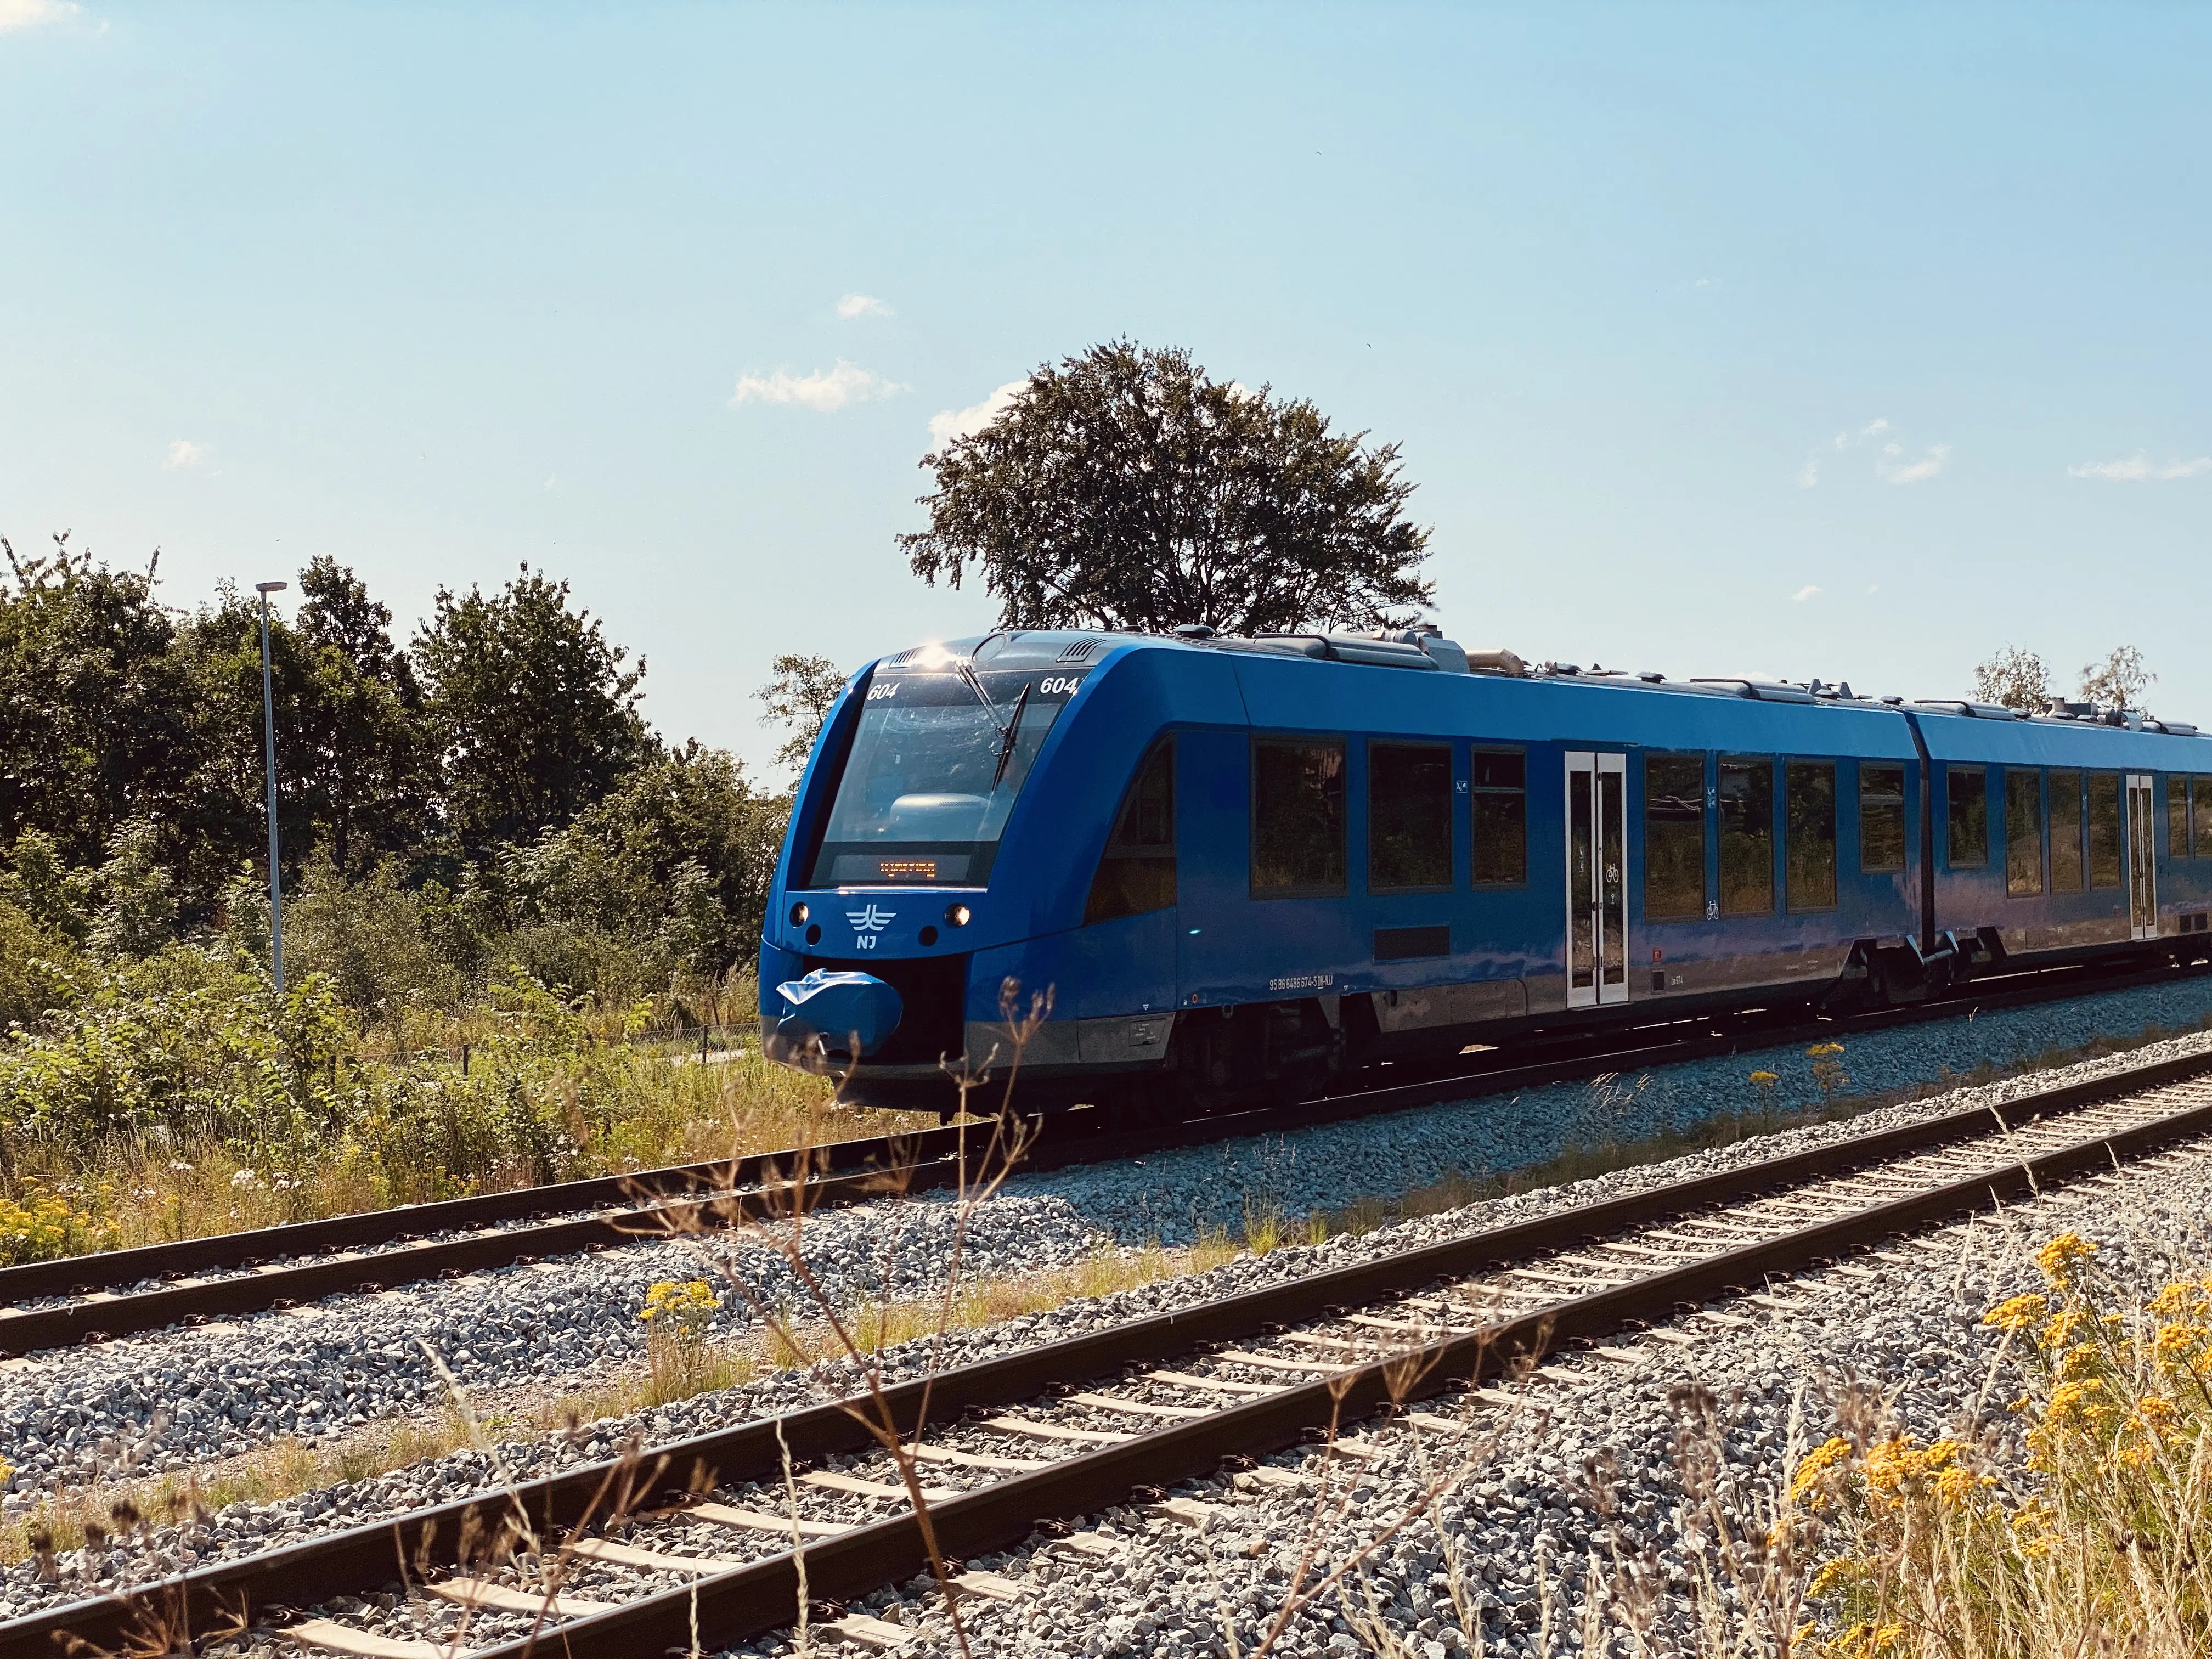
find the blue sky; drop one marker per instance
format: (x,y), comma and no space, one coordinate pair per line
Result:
(1848,342)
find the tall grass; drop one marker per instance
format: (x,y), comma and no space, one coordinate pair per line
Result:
(180,1096)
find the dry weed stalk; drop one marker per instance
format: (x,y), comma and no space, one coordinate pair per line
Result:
(776,1219)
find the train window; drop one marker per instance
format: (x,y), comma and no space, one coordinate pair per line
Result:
(2105,842)
(1966,800)
(2200,795)
(2177,817)
(1409,792)
(2023,832)
(1673,837)
(2065,832)
(1746,798)
(1137,873)
(1498,794)
(1882,819)
(1808,848)
(1298,818)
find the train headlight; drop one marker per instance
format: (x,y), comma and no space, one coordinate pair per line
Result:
(957,915)
(799,914)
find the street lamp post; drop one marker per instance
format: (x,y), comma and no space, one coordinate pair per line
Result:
(269,745)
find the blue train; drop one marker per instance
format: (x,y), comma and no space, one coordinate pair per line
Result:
(1235,866)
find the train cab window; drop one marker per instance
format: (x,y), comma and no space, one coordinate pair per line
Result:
(1298,818)
(1747,808)
(2200,807)
(1808,847)
(2023,832)
(1409,794)
(1882,819)
(2065,832)
(1673,837)
(2105,845)
(1499,797)
(1966,802)
(1137,873)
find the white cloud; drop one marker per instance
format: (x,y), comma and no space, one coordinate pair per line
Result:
(2139,468)
(552,481)
(1893,461)
(1894,468)
(952,424)
(1805,593)
(182,452)
(823,391)
(861,305)
(29,13)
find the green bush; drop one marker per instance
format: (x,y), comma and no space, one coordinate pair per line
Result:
(36,966)
(184,1046)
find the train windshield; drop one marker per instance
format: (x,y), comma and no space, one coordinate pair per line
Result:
(934,770)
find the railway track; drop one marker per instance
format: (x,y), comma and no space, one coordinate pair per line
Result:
(51,1305)
(693,1542)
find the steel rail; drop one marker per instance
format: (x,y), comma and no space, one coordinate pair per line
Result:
(734,1604)
(764,1183)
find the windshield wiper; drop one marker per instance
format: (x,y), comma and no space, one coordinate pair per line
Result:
(966,670)
(1006,742)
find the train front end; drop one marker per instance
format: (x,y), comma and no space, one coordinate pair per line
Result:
(910,876)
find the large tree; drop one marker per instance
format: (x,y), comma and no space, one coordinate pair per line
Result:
(2015,678)
(798,698)
(1124,488)
(534,711)
(2119,681)
(353,755)
(366,733)
(96,726)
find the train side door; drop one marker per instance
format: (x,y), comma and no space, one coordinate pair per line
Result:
(1597,878)
(2142,861)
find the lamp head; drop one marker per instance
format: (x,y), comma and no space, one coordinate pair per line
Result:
(271,587)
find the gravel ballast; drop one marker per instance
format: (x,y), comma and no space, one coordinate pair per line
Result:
(1022,1233)
(1175,1195)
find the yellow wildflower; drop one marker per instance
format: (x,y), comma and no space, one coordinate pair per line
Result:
(2134,1454)
(1897,1464)
(2175,1342)
(684,1305)
(2080,1360)
(1954,1486)
(2178,1300)
(2017,1313)
(2060,1258)
(2066,1326)
(1812,1471)
(1838,1574)
(2076,1402)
